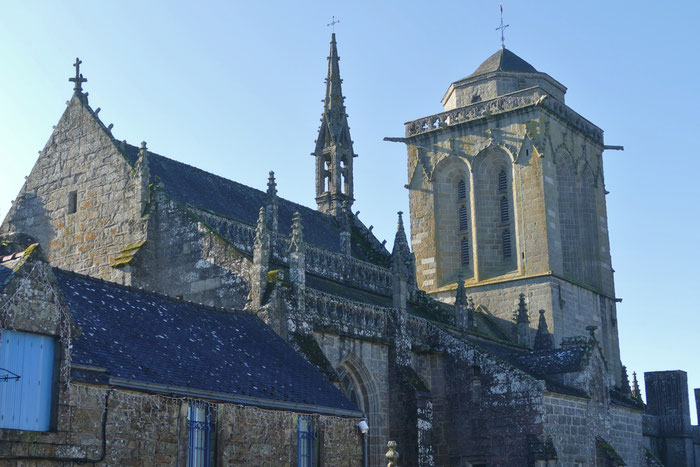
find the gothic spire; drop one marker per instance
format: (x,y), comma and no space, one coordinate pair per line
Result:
(334,152)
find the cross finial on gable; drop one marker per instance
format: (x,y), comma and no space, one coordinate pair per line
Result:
(502,28)
(78,80)
(333,23)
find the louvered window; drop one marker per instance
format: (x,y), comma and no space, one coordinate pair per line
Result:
(505,237)
(463,221)
(505,217)
(502,180)
(461,190)
(464,251)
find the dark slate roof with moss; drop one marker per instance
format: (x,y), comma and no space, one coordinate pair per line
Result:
(503,60)
(145,338)
(189,185)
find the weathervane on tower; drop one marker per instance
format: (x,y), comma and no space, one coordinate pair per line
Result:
(502,28)
(332,24)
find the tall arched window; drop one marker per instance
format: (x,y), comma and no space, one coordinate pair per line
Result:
(495,216)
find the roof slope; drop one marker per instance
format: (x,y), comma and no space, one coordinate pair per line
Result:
(503,60)
(148,338)
(189,185)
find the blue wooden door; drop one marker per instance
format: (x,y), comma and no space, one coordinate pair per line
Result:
(25,404)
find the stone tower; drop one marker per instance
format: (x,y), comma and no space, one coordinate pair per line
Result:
(506,189)
(334,153)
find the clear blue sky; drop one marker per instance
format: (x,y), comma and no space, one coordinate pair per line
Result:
(235,88)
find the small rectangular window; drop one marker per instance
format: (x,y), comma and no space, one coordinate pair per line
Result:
(200,429)
(27,360)
(72,202)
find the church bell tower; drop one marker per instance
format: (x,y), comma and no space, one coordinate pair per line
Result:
(334,153)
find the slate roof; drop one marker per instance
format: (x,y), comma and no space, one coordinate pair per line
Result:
(147,338)
(192,186)
(503,60)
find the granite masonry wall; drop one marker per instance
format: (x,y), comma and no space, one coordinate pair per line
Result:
(573,423)
(80,169)
(150,430)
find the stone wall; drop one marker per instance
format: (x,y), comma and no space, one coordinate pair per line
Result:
(150,430)
(573,423)
(184,257)
(81,160)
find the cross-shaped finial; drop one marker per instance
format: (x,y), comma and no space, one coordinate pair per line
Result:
(333,23)
(78,80)
(502,28)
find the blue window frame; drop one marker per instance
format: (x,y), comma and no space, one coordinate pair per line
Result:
(199,427)
(25,403)
(307,443)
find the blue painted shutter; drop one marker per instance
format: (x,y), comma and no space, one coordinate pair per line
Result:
(25,404)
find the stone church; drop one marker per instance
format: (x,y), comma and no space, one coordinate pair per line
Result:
(486,337)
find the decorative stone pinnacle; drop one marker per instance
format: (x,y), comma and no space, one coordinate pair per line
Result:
(143,149)
(521,315)
(297,237)
(271,184)
(543,339)
(78,80)
(635,387)
(461,296)
(261,226)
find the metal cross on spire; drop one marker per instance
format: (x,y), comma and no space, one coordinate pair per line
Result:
(502,28)
(333,23)
(78,80)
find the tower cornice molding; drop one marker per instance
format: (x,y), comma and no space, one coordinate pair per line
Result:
(517,101)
